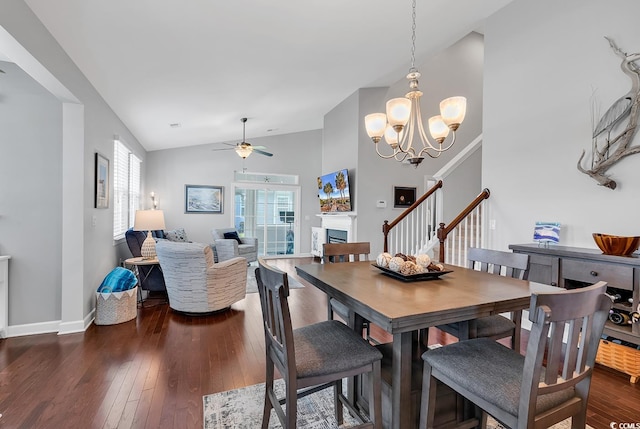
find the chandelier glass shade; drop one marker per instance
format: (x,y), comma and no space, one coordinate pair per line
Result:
(402,125)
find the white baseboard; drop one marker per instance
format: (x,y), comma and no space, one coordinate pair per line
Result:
(54,326)
(78,325)
(33,328)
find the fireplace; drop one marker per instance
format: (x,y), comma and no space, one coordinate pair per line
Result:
(337,236)
(336,228)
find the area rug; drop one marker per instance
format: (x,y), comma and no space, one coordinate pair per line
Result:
(242,409)
(252,284)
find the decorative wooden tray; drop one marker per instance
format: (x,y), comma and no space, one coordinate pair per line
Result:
(429,275)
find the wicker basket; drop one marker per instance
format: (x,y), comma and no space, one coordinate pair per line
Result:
(622,358)
(116,307)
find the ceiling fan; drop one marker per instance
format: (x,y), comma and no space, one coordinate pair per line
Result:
(244,149)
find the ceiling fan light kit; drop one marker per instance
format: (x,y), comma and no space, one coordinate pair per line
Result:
(244,149)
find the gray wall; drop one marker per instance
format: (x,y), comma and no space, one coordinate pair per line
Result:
(462,186)
(543,61)
(38,298)
(30,203)
(168,171)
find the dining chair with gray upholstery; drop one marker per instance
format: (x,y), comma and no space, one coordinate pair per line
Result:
(509,264)
(347,252)
(311,358)
(532,391)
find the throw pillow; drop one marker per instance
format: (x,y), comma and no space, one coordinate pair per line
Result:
(234,235)
(118,280)
(176,235)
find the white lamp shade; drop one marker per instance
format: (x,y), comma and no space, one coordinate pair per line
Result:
(375,124)
(453,110)
(398,111)
(391,136)
(438,129)
(149,220)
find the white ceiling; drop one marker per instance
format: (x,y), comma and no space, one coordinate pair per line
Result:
(282,63)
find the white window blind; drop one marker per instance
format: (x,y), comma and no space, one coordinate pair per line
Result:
(134,187)
(126,188)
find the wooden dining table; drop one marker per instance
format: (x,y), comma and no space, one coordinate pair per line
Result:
(402,308)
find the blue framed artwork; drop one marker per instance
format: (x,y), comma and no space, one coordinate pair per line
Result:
(547,232)
(203,199)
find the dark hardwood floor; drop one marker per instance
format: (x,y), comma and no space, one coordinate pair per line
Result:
(152,372)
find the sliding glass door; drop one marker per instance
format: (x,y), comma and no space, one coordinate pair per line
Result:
(269,212)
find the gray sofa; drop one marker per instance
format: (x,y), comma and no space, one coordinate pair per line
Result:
(227,248)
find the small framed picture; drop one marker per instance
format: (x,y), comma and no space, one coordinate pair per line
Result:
(101,182)
(547,233)
(403,196)
(203,199)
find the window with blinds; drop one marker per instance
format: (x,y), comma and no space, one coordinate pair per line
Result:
(126,188)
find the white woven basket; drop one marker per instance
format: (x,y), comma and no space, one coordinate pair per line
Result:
(116,307)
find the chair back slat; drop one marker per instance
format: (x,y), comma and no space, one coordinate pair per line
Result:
(509,264)
(346,252)
(273,286)
(581,313)
(573,361)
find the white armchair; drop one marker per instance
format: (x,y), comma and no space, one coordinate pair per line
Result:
(228,248)
(195,284)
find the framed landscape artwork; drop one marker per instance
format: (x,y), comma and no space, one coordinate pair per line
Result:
(203,199)
(102,182)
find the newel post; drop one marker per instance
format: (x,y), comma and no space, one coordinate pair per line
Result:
(385,232)
(442,236)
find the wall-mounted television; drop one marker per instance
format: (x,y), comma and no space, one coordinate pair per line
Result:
(333,192)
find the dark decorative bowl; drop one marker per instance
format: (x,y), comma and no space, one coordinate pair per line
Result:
(616,245)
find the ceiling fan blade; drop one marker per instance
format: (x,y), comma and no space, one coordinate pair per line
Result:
(261,152)
(223,148)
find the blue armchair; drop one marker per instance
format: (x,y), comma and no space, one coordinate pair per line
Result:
(152,278)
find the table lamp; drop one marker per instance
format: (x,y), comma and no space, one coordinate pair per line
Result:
(148,220)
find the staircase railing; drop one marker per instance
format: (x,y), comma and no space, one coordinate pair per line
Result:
(463,232)
(415,227)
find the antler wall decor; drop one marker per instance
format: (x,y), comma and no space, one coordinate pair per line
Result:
(608,148)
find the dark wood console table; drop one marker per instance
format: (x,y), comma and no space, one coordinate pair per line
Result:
(571,267)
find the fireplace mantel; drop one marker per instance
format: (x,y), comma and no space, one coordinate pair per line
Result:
(340,221)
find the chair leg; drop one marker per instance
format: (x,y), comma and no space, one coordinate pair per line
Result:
(291,404)
(515,339)
(428,400)
(266,413)
(337,404)
(579,420)
(375,396)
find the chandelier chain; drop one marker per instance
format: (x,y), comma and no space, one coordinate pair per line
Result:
(413,36)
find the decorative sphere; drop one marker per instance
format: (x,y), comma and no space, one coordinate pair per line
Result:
(423,260)
(395,263)
(383,259)
(409,268)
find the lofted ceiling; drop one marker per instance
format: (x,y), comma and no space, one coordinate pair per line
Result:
(284,64)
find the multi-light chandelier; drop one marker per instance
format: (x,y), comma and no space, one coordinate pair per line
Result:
(403,119)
